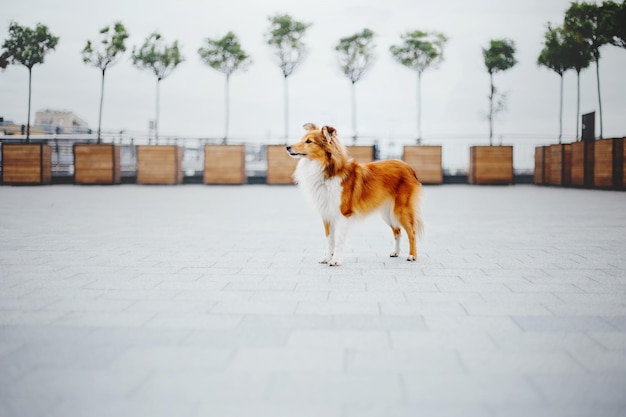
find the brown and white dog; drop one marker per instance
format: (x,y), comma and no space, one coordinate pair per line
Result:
(343,190)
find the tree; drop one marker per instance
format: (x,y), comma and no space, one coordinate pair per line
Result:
(418,52)
(28,47)
(4,60)
(500,56)
(356,53)
(616,20)
(554,56)
(112,47)
(159,58)
(578,54)
(591,23)
(226,56)
(285,36)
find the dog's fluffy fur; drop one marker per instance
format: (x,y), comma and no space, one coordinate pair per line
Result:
(342,189)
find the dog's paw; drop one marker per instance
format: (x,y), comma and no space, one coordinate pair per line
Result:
(325,259)
(411,258)
(394,254)
(334,262)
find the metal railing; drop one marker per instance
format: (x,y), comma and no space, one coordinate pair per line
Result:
(455,151)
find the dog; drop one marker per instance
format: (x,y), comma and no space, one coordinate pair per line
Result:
(343,190)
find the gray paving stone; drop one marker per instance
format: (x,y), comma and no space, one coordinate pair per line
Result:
(447,340)
(130,300)
(344,339)
(291,359)
(336,388)
(520,362)
(470,390)
(562,324)
(425,361)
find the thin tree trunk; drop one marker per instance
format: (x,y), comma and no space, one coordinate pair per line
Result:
(30,70)
(491,110)
(561,111)
(101,101)
(419,107)
(156,117)
(577,105)
(286,111)
(354,129)
(599,98)
(226,108)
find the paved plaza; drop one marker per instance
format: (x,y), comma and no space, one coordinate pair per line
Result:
(194,300)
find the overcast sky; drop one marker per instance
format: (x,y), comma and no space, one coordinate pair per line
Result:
(454,96)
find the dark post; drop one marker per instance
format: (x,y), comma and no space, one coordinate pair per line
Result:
(589,127)
(588,137)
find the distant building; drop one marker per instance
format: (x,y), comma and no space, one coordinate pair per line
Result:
(54,121)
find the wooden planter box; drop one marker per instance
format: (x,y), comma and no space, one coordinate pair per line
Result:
(426,161)
(608,167)
(224,164)
(582,163)
(159,164)
(361,154)
(624,163)
(491,165)
(26,163)
(560,164)
(97,164)
(541,164)
(280,165)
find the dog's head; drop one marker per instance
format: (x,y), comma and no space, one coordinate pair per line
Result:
(316,143)
(321,145)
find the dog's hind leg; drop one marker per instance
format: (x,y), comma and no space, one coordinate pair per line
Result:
(406,215)
(390,218)
(396,237)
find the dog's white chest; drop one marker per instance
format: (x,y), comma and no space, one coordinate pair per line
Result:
(324,194)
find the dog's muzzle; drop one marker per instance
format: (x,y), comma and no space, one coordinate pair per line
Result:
(294,154)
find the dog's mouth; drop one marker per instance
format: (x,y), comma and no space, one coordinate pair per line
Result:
(295,154)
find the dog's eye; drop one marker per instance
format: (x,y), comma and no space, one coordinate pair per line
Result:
(309,141)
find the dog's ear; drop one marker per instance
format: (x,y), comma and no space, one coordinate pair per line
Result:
(309,126)
(329,133)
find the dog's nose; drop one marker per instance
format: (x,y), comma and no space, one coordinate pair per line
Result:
(288,148)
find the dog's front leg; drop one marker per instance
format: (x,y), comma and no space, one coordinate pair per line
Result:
(339,231)
(330,242)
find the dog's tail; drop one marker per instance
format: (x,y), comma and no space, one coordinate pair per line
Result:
(419,223)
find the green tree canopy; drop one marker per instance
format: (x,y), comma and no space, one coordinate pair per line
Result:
(28,47)
(500,56)
(419,50)
(112,46)
(285,36)
(616,22)
(154,55)
(592,24)
(356,53)
(555,56)
(579,56)
(226,56)
(4,60)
